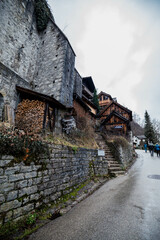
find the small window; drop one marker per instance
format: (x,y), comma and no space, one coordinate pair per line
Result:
(105,97)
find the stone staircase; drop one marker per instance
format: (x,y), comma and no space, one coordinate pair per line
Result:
(114,167)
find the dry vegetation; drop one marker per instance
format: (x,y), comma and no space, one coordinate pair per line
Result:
(29,117)
(83,136)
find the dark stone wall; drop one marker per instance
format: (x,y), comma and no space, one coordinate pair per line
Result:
(25,188)
(45,60)
(77,83)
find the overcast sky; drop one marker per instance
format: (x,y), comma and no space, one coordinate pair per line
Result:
(117,42)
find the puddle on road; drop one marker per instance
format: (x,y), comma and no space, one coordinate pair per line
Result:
(154,177)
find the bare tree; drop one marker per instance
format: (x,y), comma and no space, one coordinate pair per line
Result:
(156,126)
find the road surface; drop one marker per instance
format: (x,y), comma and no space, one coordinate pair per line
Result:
(125,208)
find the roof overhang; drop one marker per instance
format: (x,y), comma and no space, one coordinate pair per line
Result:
(27,93)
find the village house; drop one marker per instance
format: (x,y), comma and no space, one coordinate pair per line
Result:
(37,72)
(114,117)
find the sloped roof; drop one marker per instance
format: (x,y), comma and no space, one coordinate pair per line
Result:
(103,93)
(36,95)
(114,114)
(119,105)
(88,82)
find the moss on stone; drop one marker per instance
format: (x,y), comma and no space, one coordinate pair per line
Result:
(43,14)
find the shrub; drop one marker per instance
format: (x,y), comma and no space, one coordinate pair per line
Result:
(18,144)
(43,13)
(31,219)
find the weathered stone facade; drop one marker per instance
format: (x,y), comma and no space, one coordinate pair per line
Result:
(77,84)
(24,188)
(126,154)
(8,81)
(43,62)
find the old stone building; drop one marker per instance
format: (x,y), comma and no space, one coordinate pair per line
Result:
(41,61)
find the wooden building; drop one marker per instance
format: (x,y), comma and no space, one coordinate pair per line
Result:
(104,99)
(88,89)
(114,117)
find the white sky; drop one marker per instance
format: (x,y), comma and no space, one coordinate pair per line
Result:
(117,42)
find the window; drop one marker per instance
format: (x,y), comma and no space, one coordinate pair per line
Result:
(1,107)
(105,97)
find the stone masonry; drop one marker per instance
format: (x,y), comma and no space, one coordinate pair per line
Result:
(45,61)
(24,188)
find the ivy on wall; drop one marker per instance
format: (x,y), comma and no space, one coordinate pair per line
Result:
(43,14)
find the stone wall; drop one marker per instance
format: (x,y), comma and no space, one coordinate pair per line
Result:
(45,60)
(77,84)
(126,154)
(19,42)
(8,81)
(55,65)
(25,188)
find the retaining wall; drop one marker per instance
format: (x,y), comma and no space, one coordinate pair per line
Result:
(24,188)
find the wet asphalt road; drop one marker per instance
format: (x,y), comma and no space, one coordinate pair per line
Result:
(125,208)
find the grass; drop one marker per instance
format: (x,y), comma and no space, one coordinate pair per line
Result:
(82,141)
(28,232)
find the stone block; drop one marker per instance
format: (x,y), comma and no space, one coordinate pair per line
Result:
(23,210)
(50,184)
(16,177)
(6,187)
(2,198)
(28,191)
(7,157)
(8,216)
(30,182)
(12,170)
(22,184)
(45,173)
(38,204)
(45,179)
(49,191)
(42,186)
(1,171)
(34,197)
(26,200)
(39,174)
(3,179)
(5,207)
(12,195)
(51,171)
(46,200)
(36,167)
(4,163)
(37,180)
(31,175)
(25,169)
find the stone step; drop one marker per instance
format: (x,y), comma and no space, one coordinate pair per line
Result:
(113,164)
(115,169)
(110,158)
(118,173)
